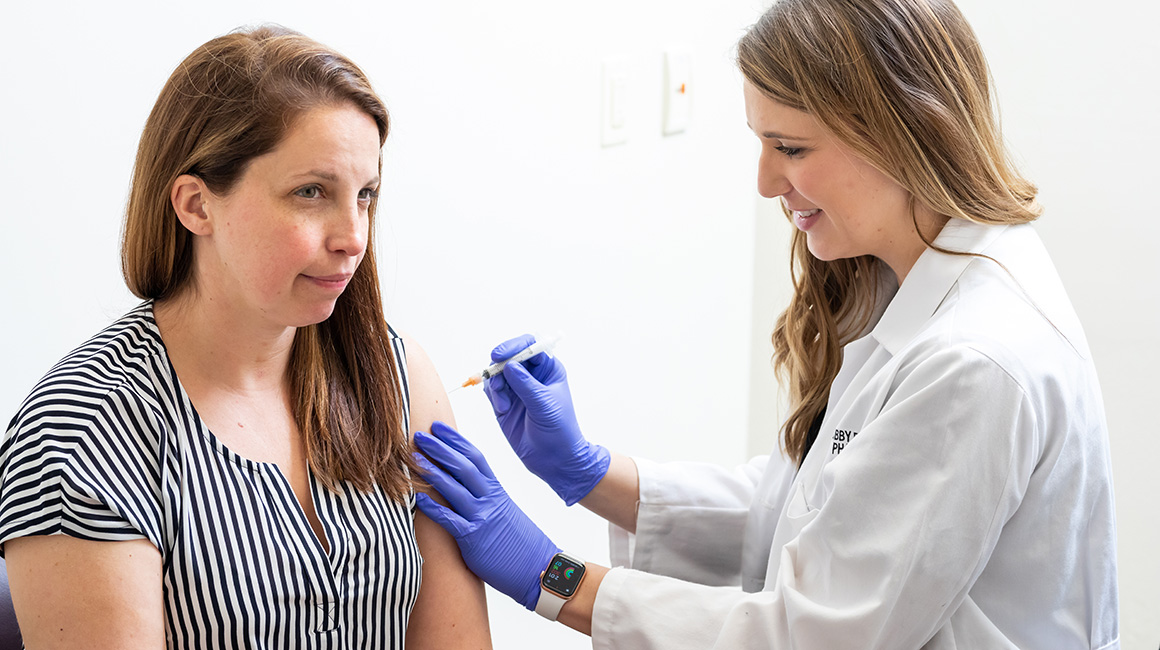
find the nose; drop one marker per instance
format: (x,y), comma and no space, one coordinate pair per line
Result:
(771,180)
(350,229)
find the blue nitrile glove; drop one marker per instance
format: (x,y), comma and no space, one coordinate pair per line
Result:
(533,405)
(497,540)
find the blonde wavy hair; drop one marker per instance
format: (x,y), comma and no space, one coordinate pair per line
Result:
(904,85)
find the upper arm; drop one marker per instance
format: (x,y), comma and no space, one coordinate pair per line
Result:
(74,593)
(429,401)
(451,611)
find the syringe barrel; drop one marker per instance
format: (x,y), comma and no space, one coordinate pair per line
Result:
(523,355)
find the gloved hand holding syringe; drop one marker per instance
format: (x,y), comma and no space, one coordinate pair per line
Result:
(496,368)
(533,406)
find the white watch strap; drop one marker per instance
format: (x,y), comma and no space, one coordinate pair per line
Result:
(549,604)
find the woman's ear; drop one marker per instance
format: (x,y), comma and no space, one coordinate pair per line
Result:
(189,196)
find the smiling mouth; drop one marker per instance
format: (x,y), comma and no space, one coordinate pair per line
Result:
(805,219)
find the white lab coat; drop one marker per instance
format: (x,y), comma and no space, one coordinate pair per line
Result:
(959,494)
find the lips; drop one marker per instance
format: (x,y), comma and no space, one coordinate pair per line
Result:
(337,277)
(332,282)
(805,219)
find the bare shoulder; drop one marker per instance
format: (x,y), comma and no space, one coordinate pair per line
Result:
(429,401)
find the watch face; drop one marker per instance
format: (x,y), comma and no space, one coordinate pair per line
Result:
(563,575)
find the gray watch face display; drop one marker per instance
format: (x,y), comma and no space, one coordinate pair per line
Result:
(563,575)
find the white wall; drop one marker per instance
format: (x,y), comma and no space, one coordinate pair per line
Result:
(494,167)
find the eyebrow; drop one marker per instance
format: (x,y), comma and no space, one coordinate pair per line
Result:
(333,178)
(776,135)
(779,136)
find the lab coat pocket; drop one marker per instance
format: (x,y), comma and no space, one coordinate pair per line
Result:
(799,509)
(798,515)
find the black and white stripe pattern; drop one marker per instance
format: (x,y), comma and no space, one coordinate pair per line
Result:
(108,447)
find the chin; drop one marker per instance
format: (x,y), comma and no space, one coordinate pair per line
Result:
(313,315)
(820,251)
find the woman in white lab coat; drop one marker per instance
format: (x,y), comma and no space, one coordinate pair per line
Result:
(943,479)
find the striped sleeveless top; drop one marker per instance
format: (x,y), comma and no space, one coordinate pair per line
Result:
(108,447)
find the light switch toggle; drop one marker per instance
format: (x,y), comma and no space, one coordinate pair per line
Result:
(614,102)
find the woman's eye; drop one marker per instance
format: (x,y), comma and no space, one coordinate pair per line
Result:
(309,192)
(368,194)
(792,152)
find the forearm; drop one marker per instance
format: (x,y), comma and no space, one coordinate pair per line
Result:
(577,612)
(617,495)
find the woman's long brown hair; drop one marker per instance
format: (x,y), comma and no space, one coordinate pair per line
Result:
(231,100)
(904,84)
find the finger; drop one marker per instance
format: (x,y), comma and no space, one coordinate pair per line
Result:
(447,519)
(498,394)
(456,441)
(445,480)
(497,382)
(459,467)
(545,368)
(535,361)
(510,347)
(521,382)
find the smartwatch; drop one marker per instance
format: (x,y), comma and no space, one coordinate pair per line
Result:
(558,583)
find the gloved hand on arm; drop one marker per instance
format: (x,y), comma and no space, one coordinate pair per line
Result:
(497,540)
(533,405)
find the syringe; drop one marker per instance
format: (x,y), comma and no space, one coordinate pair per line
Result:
(494,369)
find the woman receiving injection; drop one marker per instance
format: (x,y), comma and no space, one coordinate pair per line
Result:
(228,465)
(943,479)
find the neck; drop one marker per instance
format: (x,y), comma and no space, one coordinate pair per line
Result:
(904,257)
(212,345)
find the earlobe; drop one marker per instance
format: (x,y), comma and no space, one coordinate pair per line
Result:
(189,196)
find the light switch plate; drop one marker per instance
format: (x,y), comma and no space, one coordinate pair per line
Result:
(677,89)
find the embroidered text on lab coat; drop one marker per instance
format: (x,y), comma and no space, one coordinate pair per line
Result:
(842,437)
